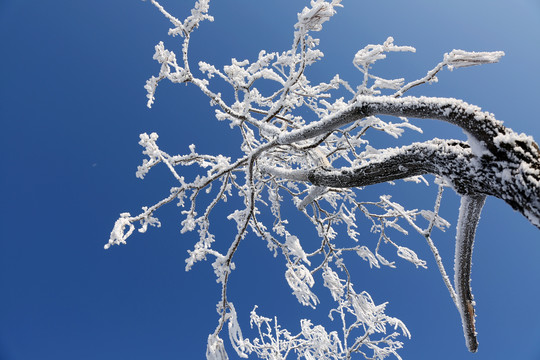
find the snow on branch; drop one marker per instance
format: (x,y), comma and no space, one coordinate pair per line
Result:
(469,216)
(461,58)
(307,145)
(366,332)
(312,18)
(454,59)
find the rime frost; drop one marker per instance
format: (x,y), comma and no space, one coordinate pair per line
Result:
(309,144)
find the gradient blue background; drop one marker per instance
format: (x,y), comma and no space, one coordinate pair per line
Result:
(72,105)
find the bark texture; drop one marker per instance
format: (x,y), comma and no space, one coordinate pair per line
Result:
(495,161)
(469,216)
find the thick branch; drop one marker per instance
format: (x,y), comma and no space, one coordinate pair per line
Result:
(482,126)
(398,163)
(517,183)
(469,215)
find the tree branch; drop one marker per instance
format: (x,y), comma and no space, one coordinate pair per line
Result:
(517,183)
(482,126)
(469,215)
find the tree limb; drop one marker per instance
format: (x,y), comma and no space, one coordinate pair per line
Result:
(469,215)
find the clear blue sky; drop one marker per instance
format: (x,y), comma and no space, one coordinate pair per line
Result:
(72,105)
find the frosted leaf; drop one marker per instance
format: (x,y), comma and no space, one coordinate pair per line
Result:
(371,53)
(393,84)
(398,324)
(417,179)
(300,281)
(396,130)
(366,311)
(409,255)
(333,283)
(367,255)
(235,333)
(383,261)
(353,234)
(438,221)
(215,349)
(150,87)
(295,249)
(189,223)
(393,224)
(461,58)
(119,233)
(311,19)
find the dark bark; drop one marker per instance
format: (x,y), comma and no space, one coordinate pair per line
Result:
(517,183)
(469,215)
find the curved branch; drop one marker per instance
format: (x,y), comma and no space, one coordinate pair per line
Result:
(430,157)
(513,180)
(392,164)
(517,183)
(469,215)
(482,126)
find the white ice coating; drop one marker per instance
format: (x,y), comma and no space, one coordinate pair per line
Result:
(301,128)
(363,106)
(469,216)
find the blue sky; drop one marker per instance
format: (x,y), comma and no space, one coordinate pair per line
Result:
(72,105)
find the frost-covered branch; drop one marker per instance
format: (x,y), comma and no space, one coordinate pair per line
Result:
(454,59)
(307,145)
(469,216)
